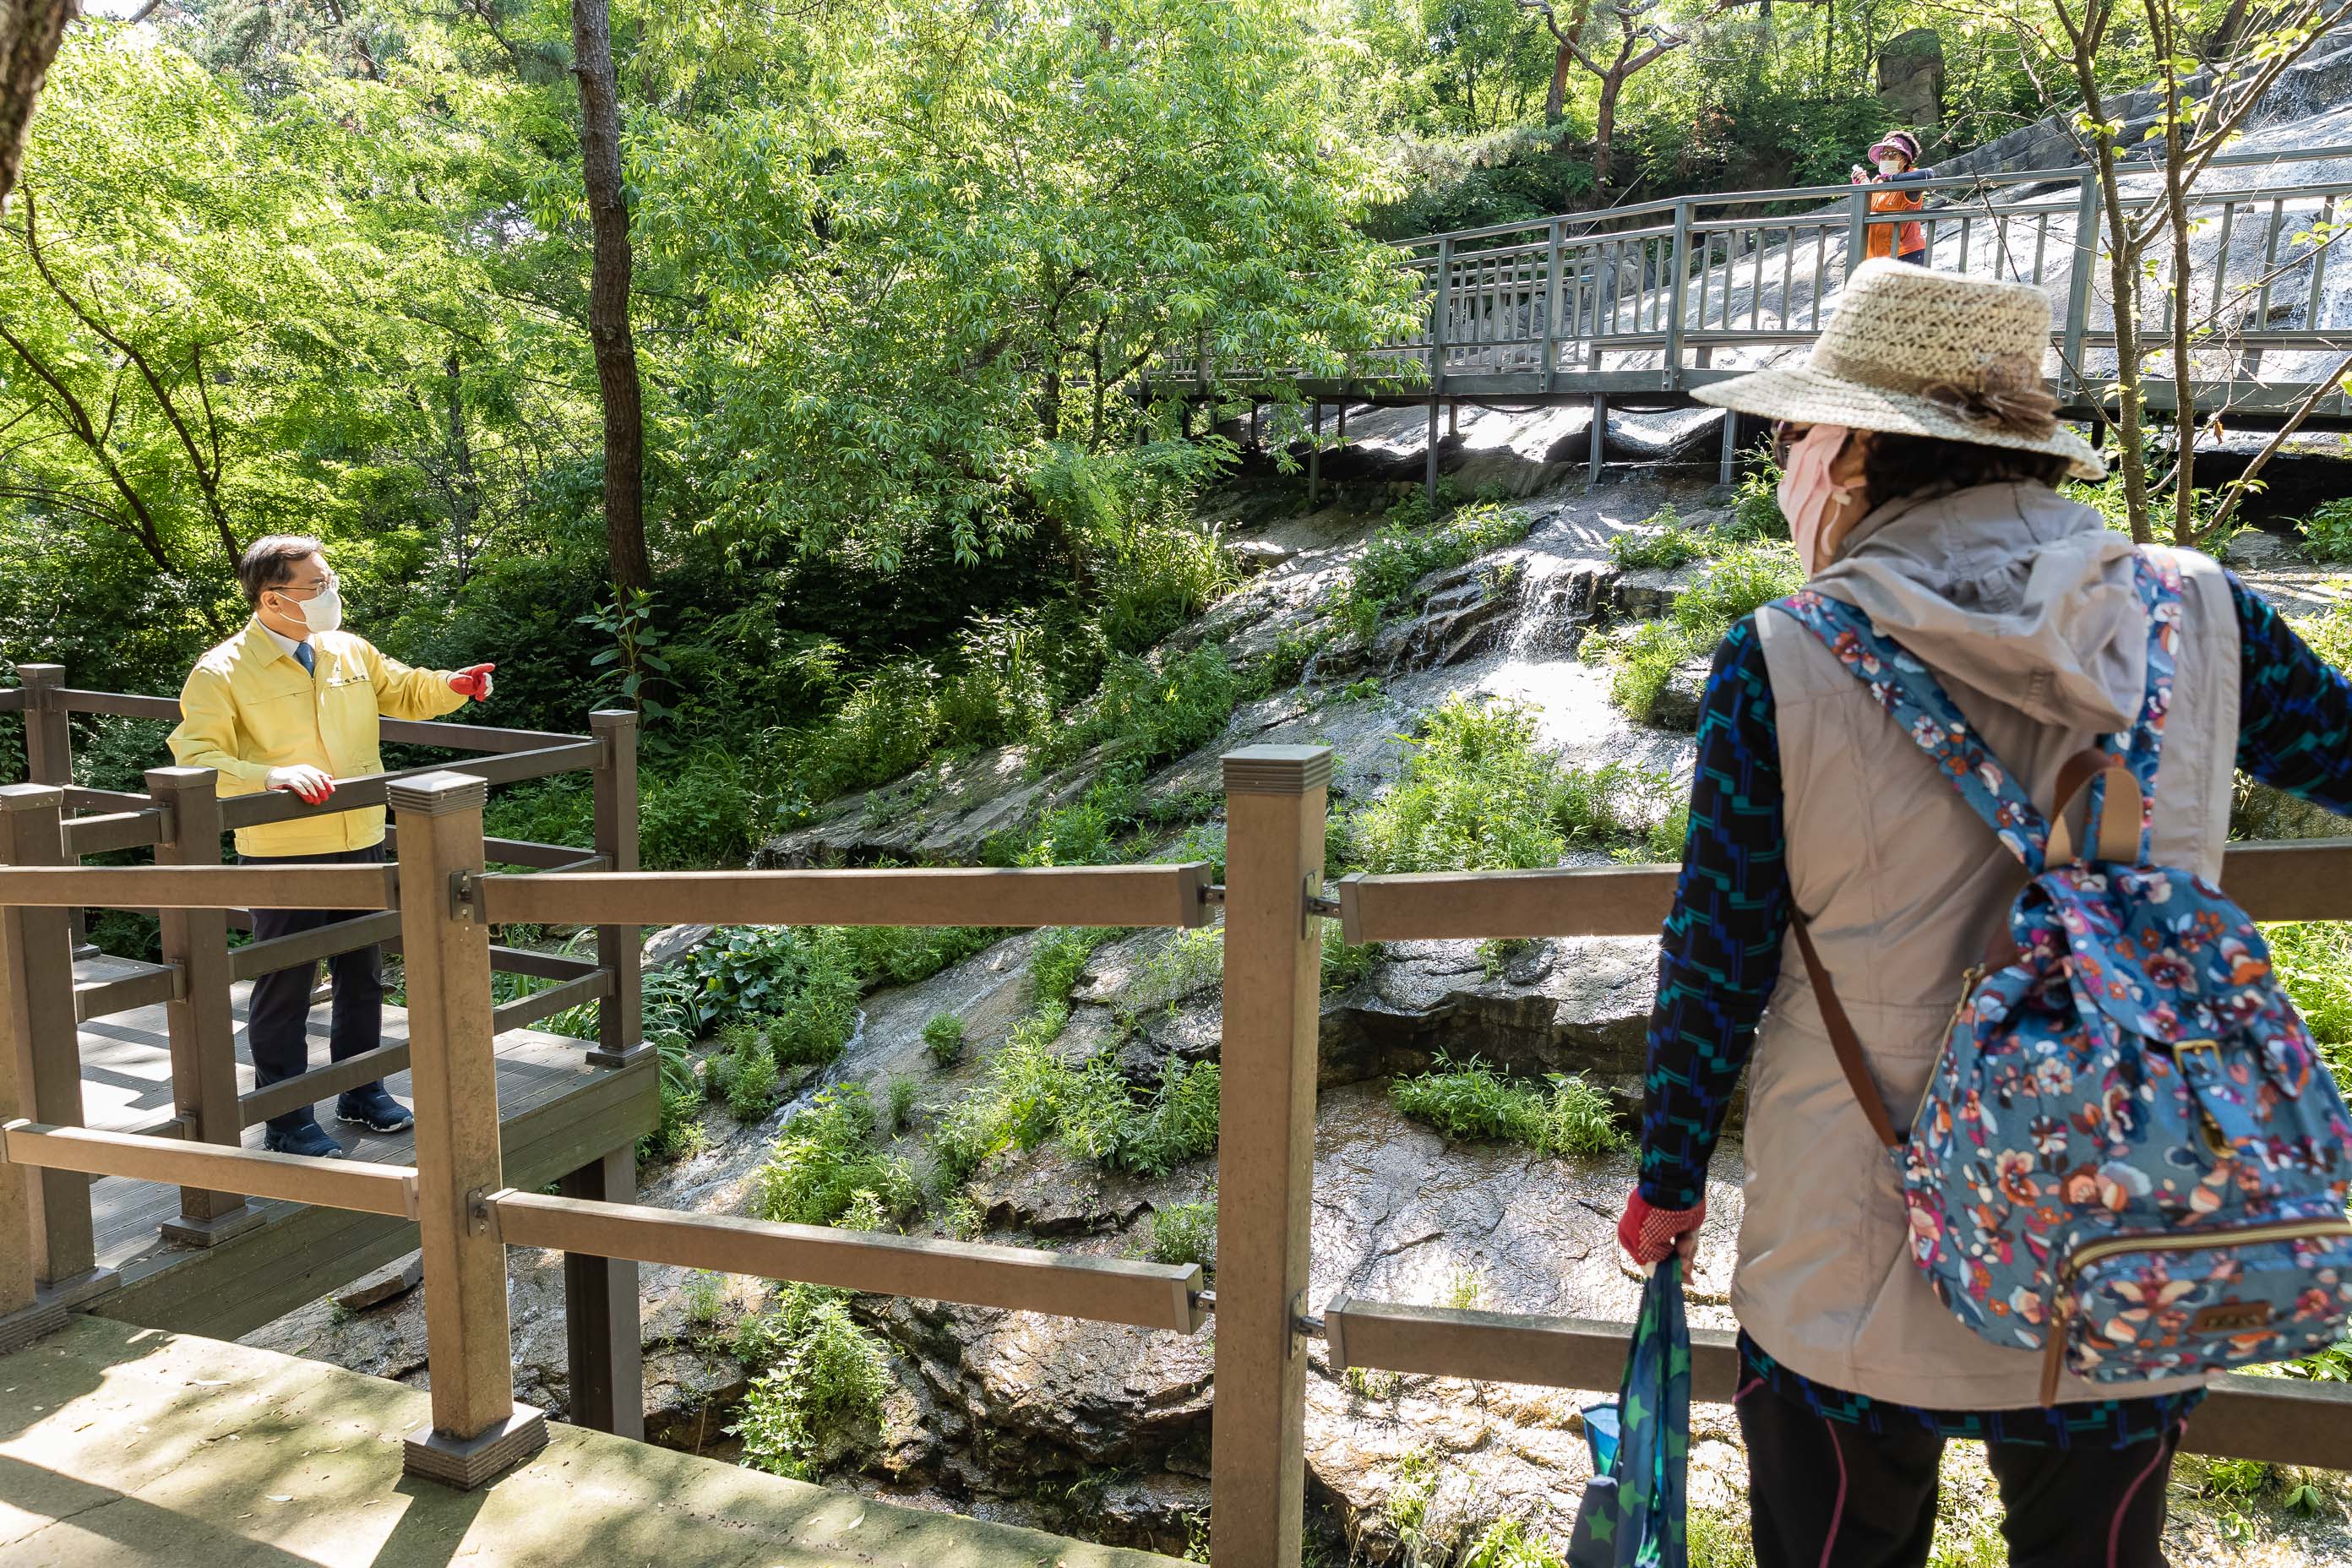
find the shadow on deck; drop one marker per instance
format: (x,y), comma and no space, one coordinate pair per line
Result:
(126,1446)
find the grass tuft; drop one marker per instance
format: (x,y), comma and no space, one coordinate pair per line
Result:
(1469,1102)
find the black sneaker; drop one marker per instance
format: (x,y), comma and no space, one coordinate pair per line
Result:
(308,1138)
(374,1109)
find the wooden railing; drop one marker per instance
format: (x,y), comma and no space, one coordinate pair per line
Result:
(1272,901)
(183,819)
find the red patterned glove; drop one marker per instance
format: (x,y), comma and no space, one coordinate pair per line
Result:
(473,681)
(1648,1234)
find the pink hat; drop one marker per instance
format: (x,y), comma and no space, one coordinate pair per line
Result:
(1900,142)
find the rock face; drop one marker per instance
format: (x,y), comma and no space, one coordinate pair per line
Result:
(1911,81)
(1005,1399)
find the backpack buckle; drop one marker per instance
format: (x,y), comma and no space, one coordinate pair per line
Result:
(2183,1049)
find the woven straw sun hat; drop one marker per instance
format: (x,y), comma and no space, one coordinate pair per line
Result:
(1917,353)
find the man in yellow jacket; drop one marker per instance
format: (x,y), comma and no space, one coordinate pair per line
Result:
(293,702)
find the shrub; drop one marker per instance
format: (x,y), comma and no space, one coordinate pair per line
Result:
(943,1038)
(1742,580)
(1191,962)
(1400,554)
(902,1103)
(1184,1232)
(1469,1100)
(902,955)
(1475,794)
(703,1294)
(1756,509)
(824,1158)
(1345,962)
(2327,533)
(829,1373)
(1152,710)
(746,1075)
(1661,541)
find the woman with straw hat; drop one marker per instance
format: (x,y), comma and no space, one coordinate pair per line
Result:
(1921,449)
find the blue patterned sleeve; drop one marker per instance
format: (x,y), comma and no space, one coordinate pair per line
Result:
(1719,954)
(2295,709)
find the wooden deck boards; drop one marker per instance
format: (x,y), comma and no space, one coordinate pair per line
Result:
(557,1113)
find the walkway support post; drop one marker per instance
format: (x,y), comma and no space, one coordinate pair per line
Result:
(1555,243)
(604,1344)
(202,1031)
(1437,328)
(1315,458)
(478,1429)
(39,1031)
(1678,274)
(620,1027)
(1274,801)
(1599,438)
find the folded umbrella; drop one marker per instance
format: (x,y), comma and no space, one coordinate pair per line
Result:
(1633,1512)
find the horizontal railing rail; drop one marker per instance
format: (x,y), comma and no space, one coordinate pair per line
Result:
(374,789)
(987,896)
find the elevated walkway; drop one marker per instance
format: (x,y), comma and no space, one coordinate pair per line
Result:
(121,1446)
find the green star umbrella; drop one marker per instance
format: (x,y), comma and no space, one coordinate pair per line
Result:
(1632,1514)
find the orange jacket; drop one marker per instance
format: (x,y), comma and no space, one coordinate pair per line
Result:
(1879,239)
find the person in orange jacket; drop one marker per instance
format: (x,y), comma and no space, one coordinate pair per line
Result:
(1896,160)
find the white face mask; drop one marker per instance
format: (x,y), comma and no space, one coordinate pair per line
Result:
(322,613)
(1890,165)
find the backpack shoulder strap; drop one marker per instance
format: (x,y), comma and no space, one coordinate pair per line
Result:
(2157,575)
(1910,694)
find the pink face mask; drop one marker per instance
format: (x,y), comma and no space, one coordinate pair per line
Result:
(1808,497)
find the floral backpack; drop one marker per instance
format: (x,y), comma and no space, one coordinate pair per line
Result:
(2129,1158)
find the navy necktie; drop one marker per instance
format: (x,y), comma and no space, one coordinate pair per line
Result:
(307,656)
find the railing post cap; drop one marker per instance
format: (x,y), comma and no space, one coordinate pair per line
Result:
(41,674)
(31,796)
(179,778)
(439,794)
(1277,770)
(611,718)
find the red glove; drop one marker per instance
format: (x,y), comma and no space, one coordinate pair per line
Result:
(1648,1234)
(473,681)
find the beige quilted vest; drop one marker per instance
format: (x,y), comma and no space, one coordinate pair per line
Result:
(2021,602)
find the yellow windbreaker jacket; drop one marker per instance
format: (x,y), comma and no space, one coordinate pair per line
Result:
(248,707)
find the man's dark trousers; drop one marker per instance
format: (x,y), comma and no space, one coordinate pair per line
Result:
(278,1013)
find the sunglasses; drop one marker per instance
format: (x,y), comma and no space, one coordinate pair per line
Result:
(1785,433)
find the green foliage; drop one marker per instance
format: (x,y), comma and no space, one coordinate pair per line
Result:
(1661,541)
(1345,962)
(1756,509)
(1469,1100)
(943,1037)
(827,1374)
(1743,579)
(902,1104)
(1508,1542)
(746,1072)
(1477,794)
(2327,531)
(824,1158)
(704,1291)
(1184,1232)
(1152,712)
(1405,550)
(2313,959)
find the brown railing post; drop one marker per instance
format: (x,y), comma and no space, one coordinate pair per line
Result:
(620,1027)
(23,1317)
(1275,798)
(38,1029)
(478,1429)
(202,1031)
(49,755)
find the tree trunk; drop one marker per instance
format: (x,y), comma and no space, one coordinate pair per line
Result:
(30,31)
(1604,126)
(608,296)
(465,490)
(1556,99)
